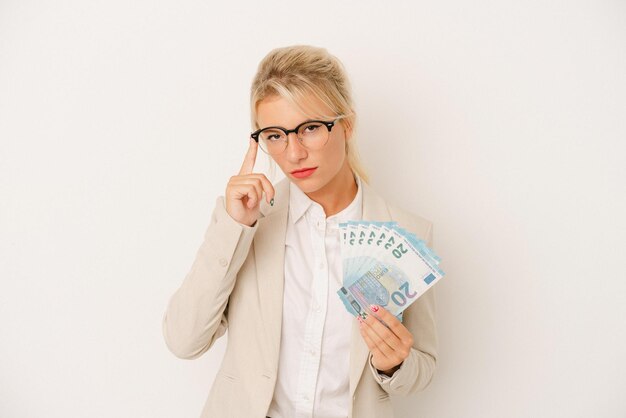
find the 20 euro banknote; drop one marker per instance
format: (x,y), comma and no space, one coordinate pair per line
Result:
(384,264)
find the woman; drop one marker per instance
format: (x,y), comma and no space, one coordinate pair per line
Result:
(270,265)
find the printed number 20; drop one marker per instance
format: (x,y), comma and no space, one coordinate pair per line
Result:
(399,251)
(400,299)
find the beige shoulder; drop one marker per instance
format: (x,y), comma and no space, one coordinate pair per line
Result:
(413,222)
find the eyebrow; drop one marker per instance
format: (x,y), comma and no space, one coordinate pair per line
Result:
(279,126)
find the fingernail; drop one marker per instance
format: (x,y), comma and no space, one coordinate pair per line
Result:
(374,308)
(272,202)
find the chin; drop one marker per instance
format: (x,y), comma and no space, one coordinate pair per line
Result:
(304,185)
(307,185)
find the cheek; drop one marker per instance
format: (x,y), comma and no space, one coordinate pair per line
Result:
(279,161)
(284,165)
(336,151)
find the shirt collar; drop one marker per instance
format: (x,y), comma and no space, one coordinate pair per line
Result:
(300,203)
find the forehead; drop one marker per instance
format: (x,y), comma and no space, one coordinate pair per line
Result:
(278,111)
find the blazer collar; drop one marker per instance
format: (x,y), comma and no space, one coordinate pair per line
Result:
(269,252)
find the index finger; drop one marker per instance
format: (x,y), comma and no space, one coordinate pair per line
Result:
(248,161)
(392,321)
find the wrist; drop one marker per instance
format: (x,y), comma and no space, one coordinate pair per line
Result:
(389,372)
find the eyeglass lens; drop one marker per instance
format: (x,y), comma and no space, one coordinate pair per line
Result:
(312,135)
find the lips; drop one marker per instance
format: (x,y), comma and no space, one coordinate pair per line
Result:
(300,174)
(304,169)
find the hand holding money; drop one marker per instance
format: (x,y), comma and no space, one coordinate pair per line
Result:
(245,190)
(389,346)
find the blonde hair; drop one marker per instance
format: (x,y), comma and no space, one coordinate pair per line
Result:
(294,71)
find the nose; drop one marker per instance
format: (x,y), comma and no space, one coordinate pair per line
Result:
(295,151)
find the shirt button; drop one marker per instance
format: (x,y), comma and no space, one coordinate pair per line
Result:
(312,352)
(306,398)
(223,262)
(321,266)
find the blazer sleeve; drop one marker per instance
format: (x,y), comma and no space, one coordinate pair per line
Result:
(417,370)
(196,314)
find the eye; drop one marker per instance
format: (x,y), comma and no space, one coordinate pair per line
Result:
(272,135)
(311,127)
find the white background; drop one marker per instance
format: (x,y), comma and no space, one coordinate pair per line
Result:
(503,122)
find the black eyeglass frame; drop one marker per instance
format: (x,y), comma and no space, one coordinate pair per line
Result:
(329,126)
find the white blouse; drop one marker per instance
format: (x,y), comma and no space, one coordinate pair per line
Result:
(313,368)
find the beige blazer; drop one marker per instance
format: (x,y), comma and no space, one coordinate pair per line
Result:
(236,283)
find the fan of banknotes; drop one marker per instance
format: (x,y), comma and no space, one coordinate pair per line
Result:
(384,264)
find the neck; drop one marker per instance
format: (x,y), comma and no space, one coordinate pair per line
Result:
(338,193)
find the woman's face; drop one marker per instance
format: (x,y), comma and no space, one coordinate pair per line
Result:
(328,161)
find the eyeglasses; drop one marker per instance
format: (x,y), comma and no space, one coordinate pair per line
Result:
(312,134)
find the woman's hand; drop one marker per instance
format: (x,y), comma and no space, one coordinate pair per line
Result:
(389,346)
(245,190)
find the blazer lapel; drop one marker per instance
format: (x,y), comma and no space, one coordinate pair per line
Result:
(374,209)
(269,255)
